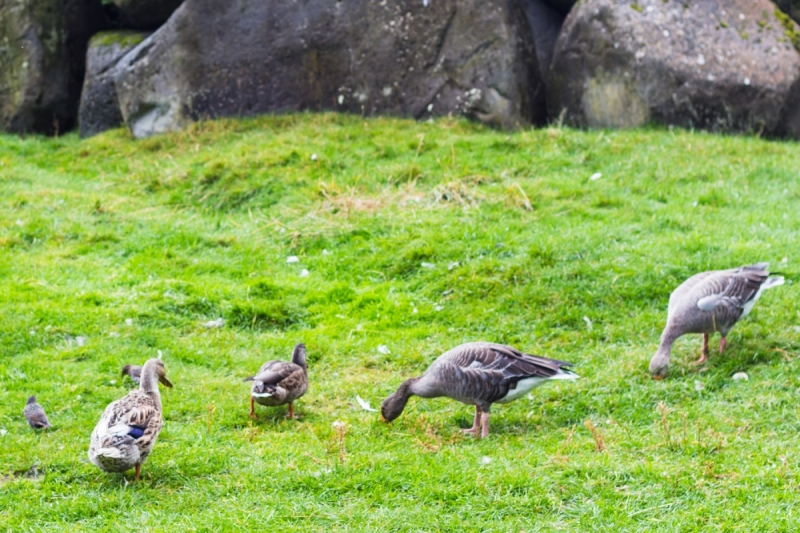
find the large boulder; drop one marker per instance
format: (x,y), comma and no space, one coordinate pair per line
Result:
(414,58)
(42,55)
(723,65)
(99,108)
(144,14)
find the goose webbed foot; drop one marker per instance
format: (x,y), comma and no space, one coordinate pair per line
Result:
(290,415)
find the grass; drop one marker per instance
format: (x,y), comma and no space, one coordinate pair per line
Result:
(416,236)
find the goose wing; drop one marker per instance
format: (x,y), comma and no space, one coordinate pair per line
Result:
(487,371)
(731,289)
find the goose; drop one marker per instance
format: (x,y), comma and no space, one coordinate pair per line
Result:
(280,382)
(128,428)
(35,415)
(709,302)
(133,372)
(479,374)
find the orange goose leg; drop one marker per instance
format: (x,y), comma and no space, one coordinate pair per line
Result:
(484,425)
(476,424)
(704,355)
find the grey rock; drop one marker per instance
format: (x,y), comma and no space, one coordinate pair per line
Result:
(42,56)
(213,59)
(712,64)
(99,107)
(145,14)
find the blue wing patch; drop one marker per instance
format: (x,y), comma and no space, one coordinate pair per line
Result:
(136,432)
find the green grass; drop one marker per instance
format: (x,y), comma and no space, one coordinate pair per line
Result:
(134,245)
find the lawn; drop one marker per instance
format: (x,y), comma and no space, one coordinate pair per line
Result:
(411,238)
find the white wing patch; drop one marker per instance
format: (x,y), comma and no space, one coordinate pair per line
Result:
(526,385)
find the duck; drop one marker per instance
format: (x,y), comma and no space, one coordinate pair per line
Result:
(133,372)
(129,427)
(711,302)
(479,374)
(35,415)
(280,382)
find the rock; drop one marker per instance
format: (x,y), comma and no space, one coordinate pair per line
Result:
(42,57)
(145,14)
(404,57)
(545,22)
(723,66)
(790,7)
(99,107)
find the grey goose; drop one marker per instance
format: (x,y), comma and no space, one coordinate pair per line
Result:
(710,302)
(479,374)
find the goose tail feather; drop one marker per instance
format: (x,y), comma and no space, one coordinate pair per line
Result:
(773,282)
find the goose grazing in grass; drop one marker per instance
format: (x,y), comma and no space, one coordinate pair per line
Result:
(279,382)
(128,428)
(133,372)
(34,414)
(709,302)
(479,374)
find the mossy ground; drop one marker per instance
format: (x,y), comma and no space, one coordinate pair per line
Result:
(417,237)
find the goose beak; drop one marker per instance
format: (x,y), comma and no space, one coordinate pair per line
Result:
(383,419)
(165,381)
(658,377)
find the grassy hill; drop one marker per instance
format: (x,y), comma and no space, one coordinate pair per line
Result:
(411,238)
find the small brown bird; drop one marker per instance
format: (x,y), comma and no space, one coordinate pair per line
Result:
(133,372)
(34,414)
(280,382)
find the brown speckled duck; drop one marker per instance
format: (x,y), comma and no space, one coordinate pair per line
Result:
(710,302)
(35,415)
(128,428)
(479,374)
(280,382)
